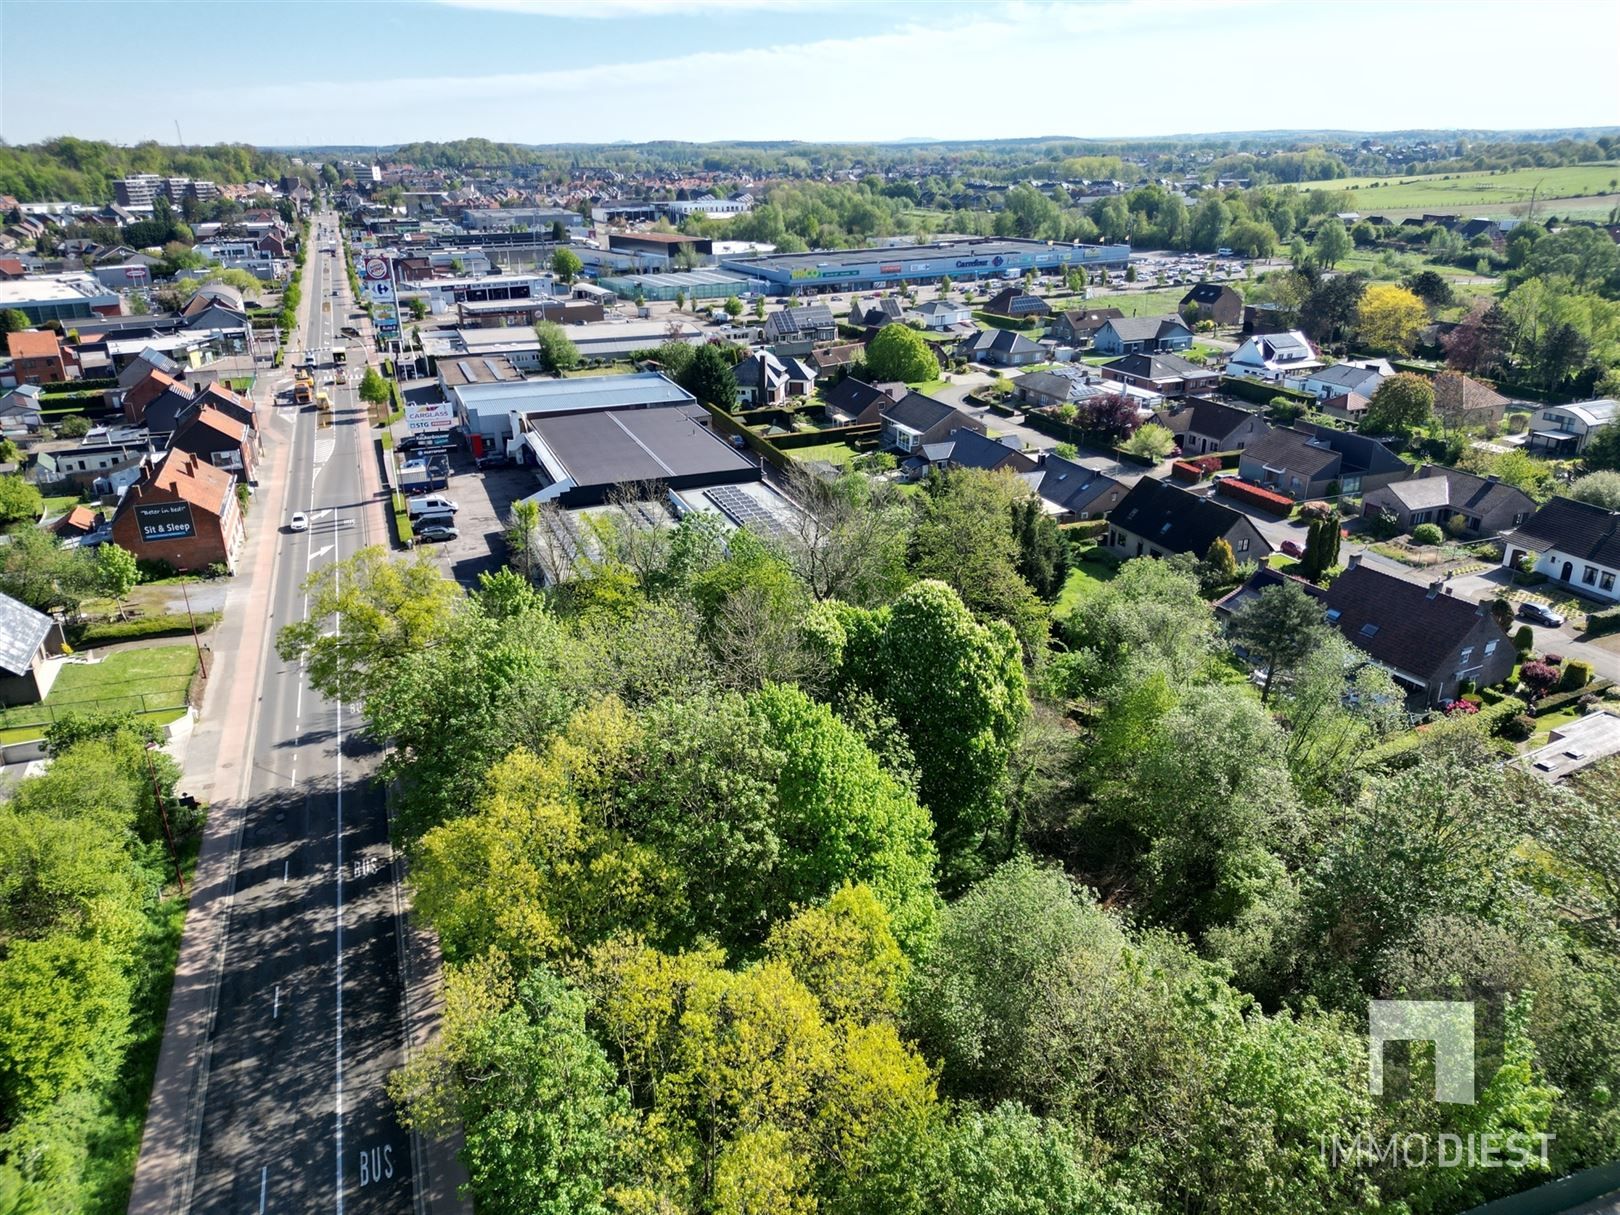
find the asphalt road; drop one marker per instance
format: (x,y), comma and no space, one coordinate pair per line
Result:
(308,1019)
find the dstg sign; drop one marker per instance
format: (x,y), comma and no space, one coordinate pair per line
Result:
(160,521)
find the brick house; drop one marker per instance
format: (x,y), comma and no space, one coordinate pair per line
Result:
(1202,427)
(183,511)
(212,435)
(1214,302)
(1156,519)
(38,357)
(1437,495)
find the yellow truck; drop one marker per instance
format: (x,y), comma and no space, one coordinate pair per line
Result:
(303,392)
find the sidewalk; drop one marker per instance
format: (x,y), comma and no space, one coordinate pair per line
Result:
(216,774)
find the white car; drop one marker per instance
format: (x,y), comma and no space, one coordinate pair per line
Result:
(299,522)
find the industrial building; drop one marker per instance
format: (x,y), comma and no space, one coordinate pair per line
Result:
(506,219)
(59,297)
(872,269)
(694,284)
(498,411)
(584,457)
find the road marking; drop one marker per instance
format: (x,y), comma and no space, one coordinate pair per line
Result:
(264,1179)
(285,866)
(275,1010)
(319,553)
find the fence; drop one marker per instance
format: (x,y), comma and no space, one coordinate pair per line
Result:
(140,704)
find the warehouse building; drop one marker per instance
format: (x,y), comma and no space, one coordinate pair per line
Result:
(694,284)
(59,297)
(875,269)
(499,410)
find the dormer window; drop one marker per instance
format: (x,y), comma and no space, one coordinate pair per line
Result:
(1369,630)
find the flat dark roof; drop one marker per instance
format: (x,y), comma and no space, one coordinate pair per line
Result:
(618,446)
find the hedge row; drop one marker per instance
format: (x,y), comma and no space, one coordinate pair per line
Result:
(173,624)
(1562,700)
(1605,621)
(1257,392)
(833,434)
(1256,496)
(1402,752)
(72,386)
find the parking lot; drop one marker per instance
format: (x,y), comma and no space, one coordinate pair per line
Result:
(485,498)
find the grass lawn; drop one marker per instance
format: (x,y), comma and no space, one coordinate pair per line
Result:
(1552,721)
(1401,195)
(1155,302)
(151,682)
(833,453)
(927,386)
(1084,578)
(603,369)
(60,504)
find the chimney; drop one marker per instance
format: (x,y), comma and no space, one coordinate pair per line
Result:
(1436,587)
(1353,562)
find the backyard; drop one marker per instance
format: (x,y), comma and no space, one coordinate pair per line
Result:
(151,682)
(1085,576)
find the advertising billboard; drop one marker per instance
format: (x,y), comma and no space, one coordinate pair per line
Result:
(160,521)
(385,317)
(432,415)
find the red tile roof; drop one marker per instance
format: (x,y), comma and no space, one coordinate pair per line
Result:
(33,344)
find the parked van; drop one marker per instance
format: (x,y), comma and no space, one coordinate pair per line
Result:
(430,504)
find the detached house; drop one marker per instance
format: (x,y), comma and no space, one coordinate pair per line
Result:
(1080,328)
(874,314)
(1000,348)
(20,411)
(1429,641)
(1202,427)
(1433,494)
(1214,302)
(915,420)
(1562,431)
(1072,492)
(964,448)
(765,380)
(796,330)
(1015,302)
(1142,335)
(1271,356)
(1315,461)
(223,441)
(1342,378)
(1169,375)
(852,402)
(1464,401)
(940,315)
(1574,543)
(30,643)
(1157,518)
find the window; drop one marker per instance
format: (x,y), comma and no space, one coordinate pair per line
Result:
(1589,575)
(1467,655)
(1242,545)
(1490,648)
(1333,615)
(1350,485)
(1606,582)
(1369,630)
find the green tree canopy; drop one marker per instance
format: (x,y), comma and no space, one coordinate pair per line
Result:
(899,353)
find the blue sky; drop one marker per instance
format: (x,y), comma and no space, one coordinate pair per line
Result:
(544,71)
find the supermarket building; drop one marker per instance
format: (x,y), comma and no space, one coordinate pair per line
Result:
(874,269)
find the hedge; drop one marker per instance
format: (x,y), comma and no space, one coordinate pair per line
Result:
(726,424)
(1256,496)
(1258,392)
(76,386)
(1402,752)
(996,321)
(1562,700)
(833,434)
(1085,529)
(1605,621)
(174,624)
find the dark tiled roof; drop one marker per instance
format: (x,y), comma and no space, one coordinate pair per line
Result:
(1082,322)
(918,412)
(1576,528)
(1072,486)
(854,397)
(22,632)
(1434,486)
(1399,623)
(1159,367)
(791,322)
(1170,518)
(1207,293)
(1212,419)
(1293,451)
(970,449)
(999,341)
(1146,328)
(1308,448)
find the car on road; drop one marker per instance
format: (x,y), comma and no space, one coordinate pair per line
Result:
(299,522)
(1540,614)
(437,532)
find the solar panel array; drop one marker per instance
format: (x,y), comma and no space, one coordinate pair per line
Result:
(744,511)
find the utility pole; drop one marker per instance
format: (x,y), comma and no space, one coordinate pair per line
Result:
(163,812)
(195,639)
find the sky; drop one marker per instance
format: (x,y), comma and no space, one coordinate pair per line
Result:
(373,72)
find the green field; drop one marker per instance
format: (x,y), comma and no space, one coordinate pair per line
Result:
(151,682)
(833,453)
(1478,193)
(1158,302)
(1083,580)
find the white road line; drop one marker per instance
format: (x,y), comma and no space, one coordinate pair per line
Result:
(275,1010)
(318,554)
(285,866)
(339,1069)
(264,1180)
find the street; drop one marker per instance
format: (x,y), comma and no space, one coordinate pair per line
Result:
(284,1106)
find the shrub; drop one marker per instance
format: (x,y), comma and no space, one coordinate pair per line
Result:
(174,624)
(1519,728)
(1311,511)
(1605,621)
(154,569)
(1577,674)
(1255,495)
(1539,677)
(1553,660)
(1426,534)
(1525,639)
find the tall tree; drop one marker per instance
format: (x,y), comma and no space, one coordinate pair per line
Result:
(1400,404)
(1388,317)
(557,350)
(1278,628)
(1331,245)
(565,264)
(709,377)
(900,353)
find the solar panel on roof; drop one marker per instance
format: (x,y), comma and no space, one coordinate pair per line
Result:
(743,510)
